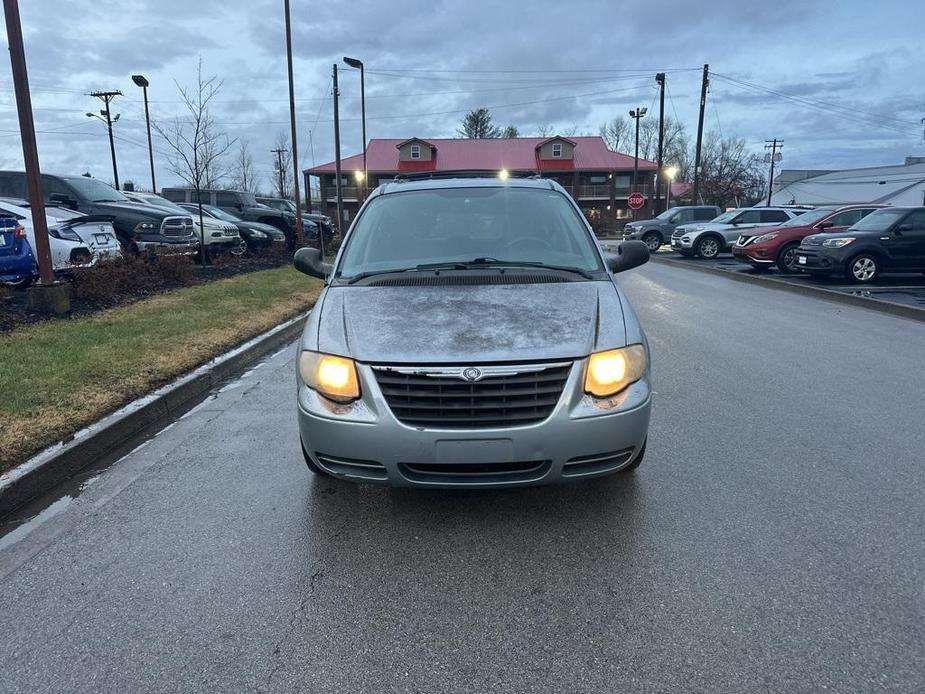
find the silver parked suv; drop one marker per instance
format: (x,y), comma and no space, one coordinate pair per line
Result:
(471,333)
(709,239)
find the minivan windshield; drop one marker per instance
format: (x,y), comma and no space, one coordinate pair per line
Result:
(401,231)
(95,191)
(879,220)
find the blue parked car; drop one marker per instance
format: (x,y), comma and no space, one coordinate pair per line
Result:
(17,263)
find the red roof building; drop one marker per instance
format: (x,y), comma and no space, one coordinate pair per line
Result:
(599,179)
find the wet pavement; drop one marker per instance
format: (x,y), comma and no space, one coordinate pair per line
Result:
(772,539)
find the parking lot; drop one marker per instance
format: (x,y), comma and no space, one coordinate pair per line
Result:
(770,541)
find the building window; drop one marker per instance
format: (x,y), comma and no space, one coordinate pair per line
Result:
(415,151)
(557,150)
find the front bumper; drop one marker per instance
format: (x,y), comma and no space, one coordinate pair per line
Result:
(821,260)
(750,254)
(583,437)
(679,244)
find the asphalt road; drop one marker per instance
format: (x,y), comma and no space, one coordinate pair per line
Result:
(771,541)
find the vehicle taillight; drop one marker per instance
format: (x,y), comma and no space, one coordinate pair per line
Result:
(19,233)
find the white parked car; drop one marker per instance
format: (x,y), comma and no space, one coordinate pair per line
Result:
(709,239)
(75,239)
(218,236)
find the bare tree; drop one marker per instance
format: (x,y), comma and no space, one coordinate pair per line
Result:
(244,177)
(615,133)
(282,167)
(546,130)
(730,173)
(197,148)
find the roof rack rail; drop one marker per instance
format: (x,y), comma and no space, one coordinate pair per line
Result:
(460,173)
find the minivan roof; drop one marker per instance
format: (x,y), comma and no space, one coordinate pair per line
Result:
(463,182)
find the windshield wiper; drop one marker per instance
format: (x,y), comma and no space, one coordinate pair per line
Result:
(494,262)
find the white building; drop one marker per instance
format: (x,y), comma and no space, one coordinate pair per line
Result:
(902,185)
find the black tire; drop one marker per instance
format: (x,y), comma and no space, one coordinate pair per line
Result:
(863,268)
(312,465)
(708,247)
(653,240)
(639,456)
(787,259)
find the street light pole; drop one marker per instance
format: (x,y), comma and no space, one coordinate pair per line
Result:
(142,82)
(353,62)
(637,115)
(670,173)
(27,133)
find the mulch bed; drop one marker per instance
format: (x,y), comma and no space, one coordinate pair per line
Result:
(86,301)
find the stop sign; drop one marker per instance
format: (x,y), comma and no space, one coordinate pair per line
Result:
(636,201)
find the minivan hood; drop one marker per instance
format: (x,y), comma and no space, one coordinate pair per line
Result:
(467,324)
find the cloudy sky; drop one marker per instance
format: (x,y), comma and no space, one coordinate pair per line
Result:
(841,81)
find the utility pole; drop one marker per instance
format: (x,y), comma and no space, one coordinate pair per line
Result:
(279,168)
(660,79)
(106,98)
(296,194)
(772,145)
(339,187)
(637,114)
(703,103)
(27,133)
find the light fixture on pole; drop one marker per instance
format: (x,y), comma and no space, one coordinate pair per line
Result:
(106,98)
(358,64)
(670,173)
(141,81)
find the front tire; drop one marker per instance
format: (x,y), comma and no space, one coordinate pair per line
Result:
(708,247)
(653,240)
(787,259)
(863,269)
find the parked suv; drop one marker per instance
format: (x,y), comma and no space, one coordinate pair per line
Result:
(138,227)
(891,239)
(311,221)
(471,333)
(712,238)
(779,245)
(657,231)
(238,203)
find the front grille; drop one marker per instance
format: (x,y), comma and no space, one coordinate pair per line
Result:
(678,233)
(745,240)
(475,473)
(443,401)
(177,226)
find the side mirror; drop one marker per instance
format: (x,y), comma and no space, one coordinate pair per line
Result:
(629,254)
(308,261)
(825,225)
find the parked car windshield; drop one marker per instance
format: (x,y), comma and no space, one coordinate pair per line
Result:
(808,217)
(96,191)
(725,216)
(403,230)
(879,220)
(219,213)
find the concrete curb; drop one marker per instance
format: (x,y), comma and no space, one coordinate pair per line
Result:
(121,430)
(879,305)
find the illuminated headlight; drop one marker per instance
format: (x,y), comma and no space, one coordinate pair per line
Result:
(766,237)
(837,243)
(334,377)
(610,372)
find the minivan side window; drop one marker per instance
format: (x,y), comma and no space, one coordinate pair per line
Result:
(227,200)
(774,216)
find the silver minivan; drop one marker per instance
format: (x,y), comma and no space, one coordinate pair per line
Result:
(471,333)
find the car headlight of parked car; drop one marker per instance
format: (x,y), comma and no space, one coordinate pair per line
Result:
(610,372)
(332,376)
(258,235)
(146,227)
(837,243)
(766,237)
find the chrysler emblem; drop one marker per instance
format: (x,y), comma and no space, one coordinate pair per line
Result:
(471,374)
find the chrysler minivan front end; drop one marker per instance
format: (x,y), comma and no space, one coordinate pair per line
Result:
(471,334)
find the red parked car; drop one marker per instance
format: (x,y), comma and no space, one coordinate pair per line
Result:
(777,246)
